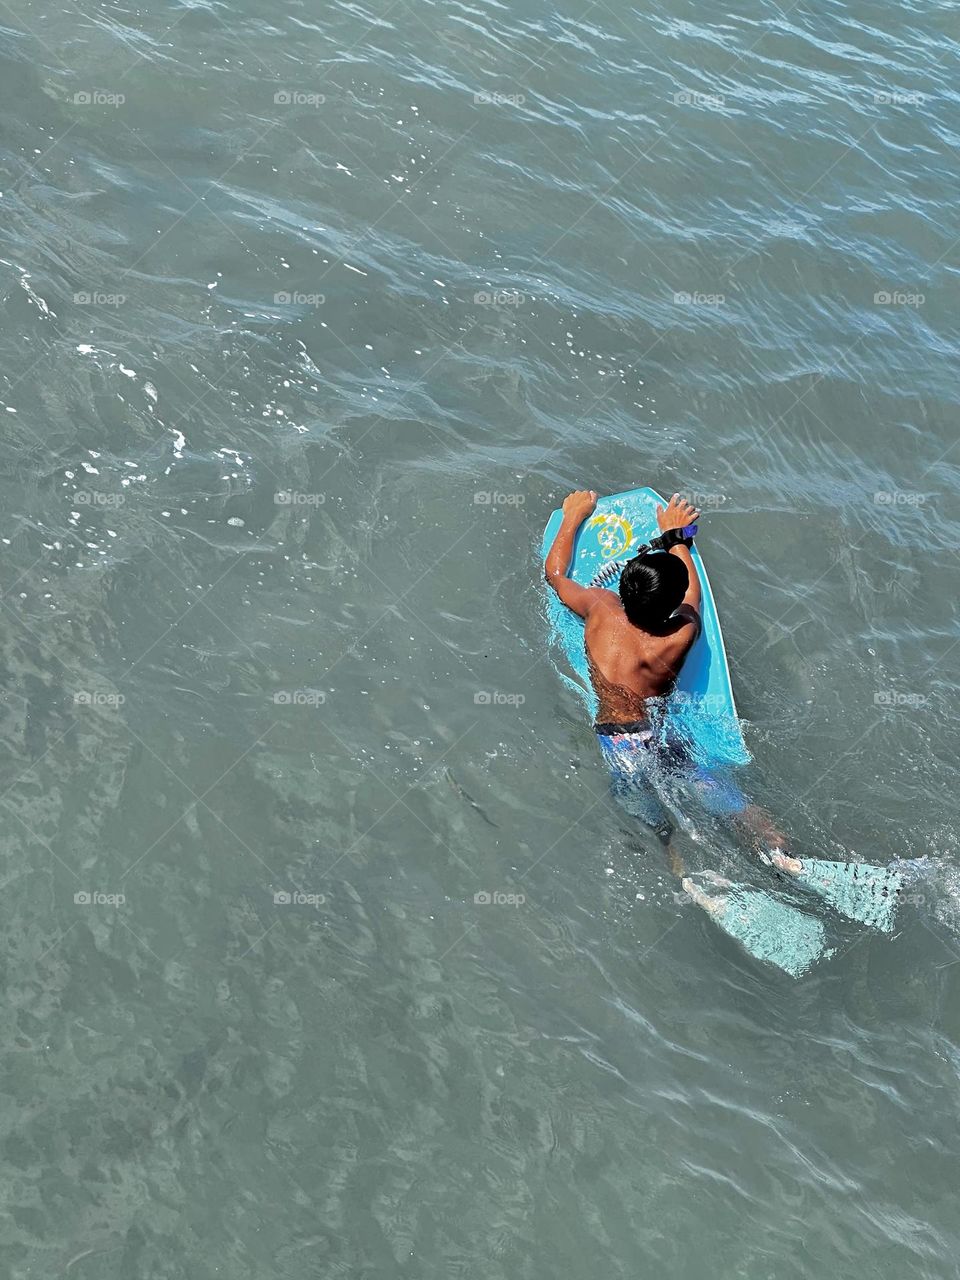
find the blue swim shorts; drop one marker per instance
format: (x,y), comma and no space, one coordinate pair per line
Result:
(639,759)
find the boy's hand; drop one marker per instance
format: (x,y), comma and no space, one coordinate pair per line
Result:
(579,504)
(679,512)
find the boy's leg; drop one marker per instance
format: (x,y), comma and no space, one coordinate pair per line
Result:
(636,795)
(758,823)
(724,798)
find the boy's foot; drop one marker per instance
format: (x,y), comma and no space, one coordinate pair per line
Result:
(716,904)
(782,861)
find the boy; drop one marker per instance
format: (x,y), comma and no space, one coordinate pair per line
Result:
(636,643)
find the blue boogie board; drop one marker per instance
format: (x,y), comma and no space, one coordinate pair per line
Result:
(701,709)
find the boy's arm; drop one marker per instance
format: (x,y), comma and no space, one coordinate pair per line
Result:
(576,507)
(679,513)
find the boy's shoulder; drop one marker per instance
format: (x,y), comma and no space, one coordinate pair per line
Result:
(605,605)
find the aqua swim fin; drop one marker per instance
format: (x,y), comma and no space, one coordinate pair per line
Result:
(868,894)
(768,929)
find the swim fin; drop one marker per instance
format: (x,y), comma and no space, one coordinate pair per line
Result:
(868,894)
(768,929)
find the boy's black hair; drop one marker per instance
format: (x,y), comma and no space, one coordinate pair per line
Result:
(651,587)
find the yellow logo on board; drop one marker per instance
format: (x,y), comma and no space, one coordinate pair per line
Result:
(614,534)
